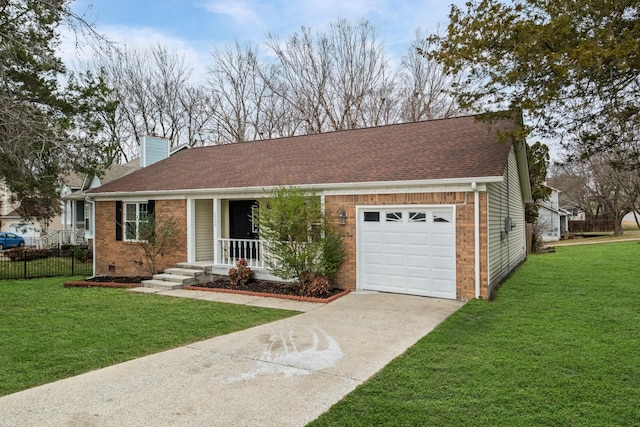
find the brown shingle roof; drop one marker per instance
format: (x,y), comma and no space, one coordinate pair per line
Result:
(439,149)
(118,171)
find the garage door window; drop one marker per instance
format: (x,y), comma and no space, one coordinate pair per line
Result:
(372,217)
(394,216)
(442,217)
(417,217)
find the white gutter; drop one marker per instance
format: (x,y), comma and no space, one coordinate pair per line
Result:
(476,219)
(93,224)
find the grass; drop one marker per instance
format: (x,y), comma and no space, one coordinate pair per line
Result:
(48,332)
(560,346)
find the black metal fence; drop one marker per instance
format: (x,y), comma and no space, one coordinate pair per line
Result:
(26,263)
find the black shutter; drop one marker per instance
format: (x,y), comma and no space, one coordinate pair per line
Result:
(119,220)
(151,208)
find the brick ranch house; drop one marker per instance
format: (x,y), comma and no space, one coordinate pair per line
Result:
(433,208)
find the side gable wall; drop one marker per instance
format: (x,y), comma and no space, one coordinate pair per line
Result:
(507,249)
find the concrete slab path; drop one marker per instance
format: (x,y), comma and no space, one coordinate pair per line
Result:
(284,373)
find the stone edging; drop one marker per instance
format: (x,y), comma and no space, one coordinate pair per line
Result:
(263,294)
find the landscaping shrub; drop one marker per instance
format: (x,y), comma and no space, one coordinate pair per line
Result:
(241,274)
(299,237)
(18,254)
(312,285)
(81,254)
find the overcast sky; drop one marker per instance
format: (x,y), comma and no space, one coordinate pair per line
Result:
(195,28)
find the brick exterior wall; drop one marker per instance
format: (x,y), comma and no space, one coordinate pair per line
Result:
(120,258)
(465,238)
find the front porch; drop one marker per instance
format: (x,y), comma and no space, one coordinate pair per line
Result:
(222,231)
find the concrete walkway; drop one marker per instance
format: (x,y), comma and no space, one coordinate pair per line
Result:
(232,298)
(284,373)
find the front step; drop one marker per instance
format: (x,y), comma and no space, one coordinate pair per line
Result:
(161,284)
(189,272)
(173,278)
(177,278)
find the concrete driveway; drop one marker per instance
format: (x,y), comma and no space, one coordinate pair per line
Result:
(284,373)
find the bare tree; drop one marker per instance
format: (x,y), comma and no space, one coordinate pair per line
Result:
(423,85)
(303,73)
(155,96)
(334,80)
(237,88)
(600,186)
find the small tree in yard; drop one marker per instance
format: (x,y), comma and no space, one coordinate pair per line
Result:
(155,236)
(301,243)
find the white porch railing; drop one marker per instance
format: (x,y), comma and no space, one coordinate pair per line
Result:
(59,238)
(231,250)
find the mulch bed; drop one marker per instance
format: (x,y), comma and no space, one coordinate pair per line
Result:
(265,288)
(107,282)
(219,284)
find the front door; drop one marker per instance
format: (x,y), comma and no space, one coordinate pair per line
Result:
(241,219)
(241,226)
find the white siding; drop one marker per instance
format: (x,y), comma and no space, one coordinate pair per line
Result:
(506,249)
(224,219)
(548,224)
(204,230)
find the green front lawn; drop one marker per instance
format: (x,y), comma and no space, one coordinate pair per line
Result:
(560,346)
(48,332)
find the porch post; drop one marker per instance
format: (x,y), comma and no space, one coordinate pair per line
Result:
(74,222)
(217,221)
(191,223)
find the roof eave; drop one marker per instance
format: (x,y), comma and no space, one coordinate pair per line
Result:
(374,185)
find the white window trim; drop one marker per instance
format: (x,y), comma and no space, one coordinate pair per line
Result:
(125,236)
(88,219)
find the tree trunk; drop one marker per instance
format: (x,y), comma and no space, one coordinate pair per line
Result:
(618,229)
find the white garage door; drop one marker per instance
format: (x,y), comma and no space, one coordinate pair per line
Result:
(409,250)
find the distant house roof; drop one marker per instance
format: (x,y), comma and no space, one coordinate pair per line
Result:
(117,171)
(451,148)
(13,214)
(73,180)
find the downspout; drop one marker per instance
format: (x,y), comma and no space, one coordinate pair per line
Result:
(476,219)
(93,224)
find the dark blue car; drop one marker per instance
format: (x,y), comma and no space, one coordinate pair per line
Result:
(10,240)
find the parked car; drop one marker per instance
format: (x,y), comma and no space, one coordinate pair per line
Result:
(10,240)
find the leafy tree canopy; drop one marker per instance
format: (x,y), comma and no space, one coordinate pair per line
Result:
(538,160)
(48,124)
(572,66)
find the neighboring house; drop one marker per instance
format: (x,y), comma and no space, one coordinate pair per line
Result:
(575,214)
(77,208)
(432,208)
(552,222)
(12,221)
(75,219)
